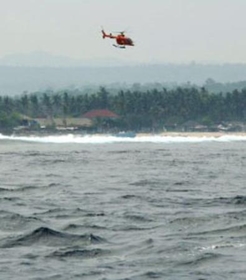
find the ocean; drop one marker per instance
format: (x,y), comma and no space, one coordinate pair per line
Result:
(111,208)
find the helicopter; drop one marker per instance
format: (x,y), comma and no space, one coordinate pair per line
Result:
(121,40)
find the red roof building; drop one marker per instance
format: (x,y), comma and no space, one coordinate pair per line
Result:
(104,113)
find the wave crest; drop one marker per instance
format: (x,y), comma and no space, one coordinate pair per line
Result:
(103,139)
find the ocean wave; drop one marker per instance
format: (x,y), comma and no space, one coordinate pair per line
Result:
(13,221)
(80,253)
(74,227)
(237,200)
(221,246)
(103,139)
(49,237)
(234,230)
(206,258)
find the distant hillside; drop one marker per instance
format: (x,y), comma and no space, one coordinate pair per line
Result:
(15,80)
(45,59)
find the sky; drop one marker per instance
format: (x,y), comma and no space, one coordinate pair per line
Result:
(164,31)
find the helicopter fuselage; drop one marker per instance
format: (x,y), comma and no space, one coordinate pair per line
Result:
(121,39)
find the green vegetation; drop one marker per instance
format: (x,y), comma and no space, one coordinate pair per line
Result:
(138,110)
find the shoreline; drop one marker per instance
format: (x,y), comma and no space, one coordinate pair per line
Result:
(205,134)
(201,134)
(216,134)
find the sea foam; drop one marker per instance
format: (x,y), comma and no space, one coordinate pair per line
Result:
(104,139)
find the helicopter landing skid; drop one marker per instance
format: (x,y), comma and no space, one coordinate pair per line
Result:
(119,46)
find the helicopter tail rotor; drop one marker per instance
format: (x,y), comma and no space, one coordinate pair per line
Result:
(103,32)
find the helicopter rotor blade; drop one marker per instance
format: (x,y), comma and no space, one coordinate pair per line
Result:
(120,32)
(126,30)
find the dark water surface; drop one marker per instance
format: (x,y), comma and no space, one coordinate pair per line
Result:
(122,210)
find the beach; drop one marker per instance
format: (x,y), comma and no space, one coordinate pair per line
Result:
(194,134)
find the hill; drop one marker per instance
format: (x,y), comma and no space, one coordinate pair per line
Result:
(17,79)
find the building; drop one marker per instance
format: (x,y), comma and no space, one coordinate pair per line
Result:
(68,123)
(103,120)
(101,113)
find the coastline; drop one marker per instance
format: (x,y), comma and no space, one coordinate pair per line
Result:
(191,134)
(104,138)
(205,134)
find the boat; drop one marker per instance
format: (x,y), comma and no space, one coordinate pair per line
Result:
(129,134)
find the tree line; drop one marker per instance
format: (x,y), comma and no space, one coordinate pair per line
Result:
(138,110)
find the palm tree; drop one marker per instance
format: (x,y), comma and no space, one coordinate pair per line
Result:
(65,107)
(48,109)
(34,105)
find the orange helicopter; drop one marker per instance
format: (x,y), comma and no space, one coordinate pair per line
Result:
(121,40)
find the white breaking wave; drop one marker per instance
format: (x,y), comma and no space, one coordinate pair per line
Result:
(103,139)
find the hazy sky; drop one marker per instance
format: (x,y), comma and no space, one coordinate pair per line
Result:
(163,30)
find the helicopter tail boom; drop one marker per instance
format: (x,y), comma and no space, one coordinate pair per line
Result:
(105,35)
